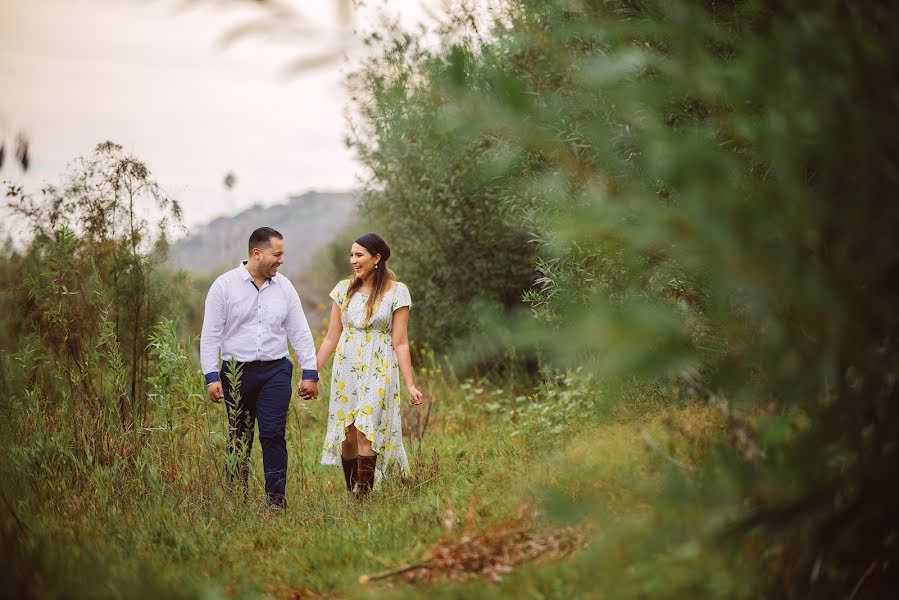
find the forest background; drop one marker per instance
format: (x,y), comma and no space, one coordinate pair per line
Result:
(652,253)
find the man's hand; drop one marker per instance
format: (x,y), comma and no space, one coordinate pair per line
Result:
(215,392)
(308,390)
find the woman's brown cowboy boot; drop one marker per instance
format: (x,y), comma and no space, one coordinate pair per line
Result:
(366,475)
(350,472)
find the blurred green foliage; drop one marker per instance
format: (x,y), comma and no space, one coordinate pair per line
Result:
(708,191)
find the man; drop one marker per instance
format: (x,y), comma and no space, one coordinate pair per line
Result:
(251,312)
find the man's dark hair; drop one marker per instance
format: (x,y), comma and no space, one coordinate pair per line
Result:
(261,237)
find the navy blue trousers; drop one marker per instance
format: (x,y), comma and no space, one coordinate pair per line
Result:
(264,397)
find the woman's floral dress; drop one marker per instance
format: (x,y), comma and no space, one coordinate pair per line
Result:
(365,380)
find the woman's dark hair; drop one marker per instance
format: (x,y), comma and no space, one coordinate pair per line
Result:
(261,237)
(375,245)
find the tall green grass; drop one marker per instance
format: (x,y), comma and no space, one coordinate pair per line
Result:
(94,511)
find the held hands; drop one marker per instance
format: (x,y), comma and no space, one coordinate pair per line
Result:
(215,392)
(416,396)
(307,390)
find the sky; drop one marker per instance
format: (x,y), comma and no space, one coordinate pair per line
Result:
(155,77)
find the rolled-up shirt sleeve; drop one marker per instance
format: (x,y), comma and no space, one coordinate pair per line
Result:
(211,334)
(299,334)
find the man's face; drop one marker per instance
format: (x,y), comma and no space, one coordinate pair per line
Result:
(269,257)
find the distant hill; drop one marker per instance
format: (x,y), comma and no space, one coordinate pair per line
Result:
(308,222)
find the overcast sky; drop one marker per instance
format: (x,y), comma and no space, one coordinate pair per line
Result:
(153,76)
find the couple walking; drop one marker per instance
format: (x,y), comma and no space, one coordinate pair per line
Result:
(251,313)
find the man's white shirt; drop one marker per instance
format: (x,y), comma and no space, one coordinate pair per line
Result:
(247,324)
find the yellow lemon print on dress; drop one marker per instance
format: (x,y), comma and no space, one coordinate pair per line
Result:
(344,399)
(367,409)
(341,385)
(364,367)
(368,336)
(381,393)
(359,352)
(383,406)
(340,415)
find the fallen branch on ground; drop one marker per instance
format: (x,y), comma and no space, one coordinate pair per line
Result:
(489,553)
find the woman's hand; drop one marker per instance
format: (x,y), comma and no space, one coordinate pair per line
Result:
(417,396)
(307,390)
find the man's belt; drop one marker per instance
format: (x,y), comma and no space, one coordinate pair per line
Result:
(259,363)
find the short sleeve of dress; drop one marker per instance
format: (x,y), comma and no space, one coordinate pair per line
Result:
(401,297)
(338,294)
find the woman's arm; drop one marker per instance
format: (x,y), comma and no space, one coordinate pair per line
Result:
(335,328)
(401,347)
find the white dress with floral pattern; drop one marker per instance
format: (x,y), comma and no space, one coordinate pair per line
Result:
(365,380)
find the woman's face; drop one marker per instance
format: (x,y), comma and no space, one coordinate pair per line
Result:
(362,260)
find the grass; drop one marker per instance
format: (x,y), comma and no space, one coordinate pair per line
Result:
(148,514)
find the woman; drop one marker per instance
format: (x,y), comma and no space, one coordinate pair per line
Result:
(368,329)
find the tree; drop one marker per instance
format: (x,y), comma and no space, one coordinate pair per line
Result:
(95,261)
(705,183)
(451,227)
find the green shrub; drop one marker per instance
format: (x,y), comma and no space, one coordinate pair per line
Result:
(709,186)
(449,229)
